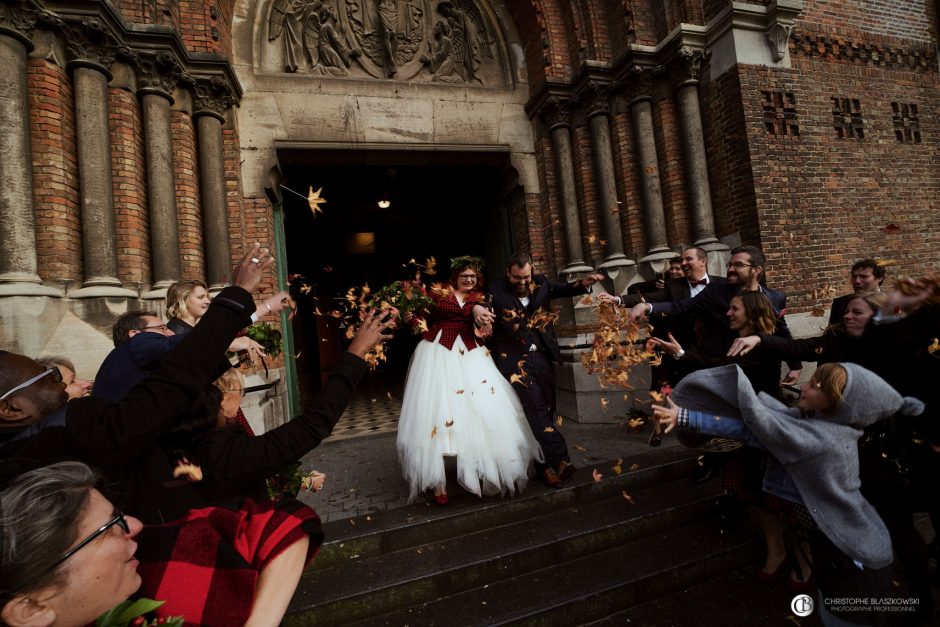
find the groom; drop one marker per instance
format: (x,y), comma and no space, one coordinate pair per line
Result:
(524,349)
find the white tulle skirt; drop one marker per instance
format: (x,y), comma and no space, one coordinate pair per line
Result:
(458,404)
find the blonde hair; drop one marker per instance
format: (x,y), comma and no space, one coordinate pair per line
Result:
(177,295)
(830,379)
(230,381)
(875,300)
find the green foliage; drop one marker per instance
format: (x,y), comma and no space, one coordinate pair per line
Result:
(270,338)
(133,613)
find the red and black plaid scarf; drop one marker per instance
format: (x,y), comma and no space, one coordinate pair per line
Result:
(206,566)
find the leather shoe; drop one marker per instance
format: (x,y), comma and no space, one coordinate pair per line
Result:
(550,478)
(441,499)
(566,470)
(703,473)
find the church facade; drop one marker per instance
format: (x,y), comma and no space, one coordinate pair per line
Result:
(147,141)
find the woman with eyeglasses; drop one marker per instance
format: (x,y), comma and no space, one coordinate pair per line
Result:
(457,404)
(68,555)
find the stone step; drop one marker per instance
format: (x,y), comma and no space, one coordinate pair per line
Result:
(366,536)
(593,586)
(597,520)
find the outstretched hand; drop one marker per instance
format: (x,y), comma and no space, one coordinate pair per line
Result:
(672,346)
(638,311)
(249,270)
(744,345)
(591,279)
(275,304)
(608,298)
(667,415)
(371,332)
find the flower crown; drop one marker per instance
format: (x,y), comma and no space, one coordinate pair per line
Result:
(467,262)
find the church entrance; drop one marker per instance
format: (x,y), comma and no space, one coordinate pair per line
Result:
(384,213)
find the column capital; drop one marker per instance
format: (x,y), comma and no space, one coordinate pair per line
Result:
(595,97)
(557,111)
(159,73)
(212,96)
(640,84)
(685,68)
(90,43)
(18,20)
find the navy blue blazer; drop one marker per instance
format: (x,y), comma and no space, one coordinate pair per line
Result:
(512,336)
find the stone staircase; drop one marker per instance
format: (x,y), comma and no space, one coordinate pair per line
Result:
(548,557)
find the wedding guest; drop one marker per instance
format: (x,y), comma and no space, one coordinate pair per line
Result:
(74,387)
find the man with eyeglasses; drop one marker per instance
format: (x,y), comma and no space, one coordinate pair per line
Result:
(745,273)
(141,341)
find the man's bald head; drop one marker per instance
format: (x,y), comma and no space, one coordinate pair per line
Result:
(28,405)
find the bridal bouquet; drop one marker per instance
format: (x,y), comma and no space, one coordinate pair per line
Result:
(409,298)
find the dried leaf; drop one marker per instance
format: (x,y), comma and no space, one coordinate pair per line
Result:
(597,476)
(636,423)
(578,447)
(460,391)
(559,420)
(434,431)
(616,469)
(934,346)
(634,467)
(657,396)
(449,423)
(549,430)
(604,403)
(520,379)
(628,498)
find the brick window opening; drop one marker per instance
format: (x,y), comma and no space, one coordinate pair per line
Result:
(847,118)
(780,113)
(906,122)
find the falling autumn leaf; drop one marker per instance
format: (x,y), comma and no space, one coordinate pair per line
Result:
(934,346)
(460,391)
(604,403)
(449,423)
(434,431)
(549,430)
(389,395)
(657,396)
(515,378)
(628,498)
(617,468)
(636,423)
(559,420)
(578,447)
(597,476)
(634,467)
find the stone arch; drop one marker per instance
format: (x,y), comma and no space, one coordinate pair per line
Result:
(361,109)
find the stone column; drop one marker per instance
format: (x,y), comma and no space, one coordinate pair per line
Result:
(599,117)
(92,51)
(696,163)
(161,188)
(210,104)
(558,117)
(18,264)
(641,111)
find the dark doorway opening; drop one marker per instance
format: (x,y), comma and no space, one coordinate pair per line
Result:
(440,205)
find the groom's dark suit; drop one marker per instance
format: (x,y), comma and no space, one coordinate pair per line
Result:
(513,341)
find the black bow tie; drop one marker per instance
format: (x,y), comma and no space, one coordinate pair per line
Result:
(695,283)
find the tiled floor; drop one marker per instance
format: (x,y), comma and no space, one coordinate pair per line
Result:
(368,414)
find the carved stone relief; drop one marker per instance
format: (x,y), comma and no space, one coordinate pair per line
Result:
(446,41)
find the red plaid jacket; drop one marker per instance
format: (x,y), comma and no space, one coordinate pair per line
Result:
(453,320)
(206,565)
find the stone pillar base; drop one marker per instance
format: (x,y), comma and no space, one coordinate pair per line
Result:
(103,291)
(578,394)
(9,287)
(620,275)
(718,257)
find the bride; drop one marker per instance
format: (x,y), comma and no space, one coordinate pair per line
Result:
(457,403)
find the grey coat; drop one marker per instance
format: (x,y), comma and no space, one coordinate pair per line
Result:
(820,453)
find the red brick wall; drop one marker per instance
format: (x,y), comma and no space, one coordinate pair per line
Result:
(892,18)
(55,181)
(824,202)
(671,171)
(619,23)
(239,235)
(128,166)
(729,157)
(551,224)
(592,233)
(188,199)
(628,183)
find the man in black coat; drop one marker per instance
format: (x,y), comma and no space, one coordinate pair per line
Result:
(867,276)
(744,274)
(525,346)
